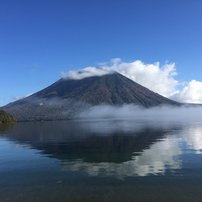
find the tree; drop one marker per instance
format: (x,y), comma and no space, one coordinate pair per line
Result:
(6,118)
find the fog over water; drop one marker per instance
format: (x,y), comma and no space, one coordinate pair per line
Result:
(162,113)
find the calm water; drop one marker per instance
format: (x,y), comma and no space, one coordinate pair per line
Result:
(101,161)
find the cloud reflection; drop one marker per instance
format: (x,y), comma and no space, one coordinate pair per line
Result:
(112,148)
(156,160)
(192,136)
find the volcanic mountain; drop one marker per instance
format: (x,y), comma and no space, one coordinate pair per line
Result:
(68,97)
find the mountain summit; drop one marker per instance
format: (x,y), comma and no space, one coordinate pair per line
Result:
(68,97)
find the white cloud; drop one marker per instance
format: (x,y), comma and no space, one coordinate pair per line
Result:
(160,79)
(86,72)
(152,76)
(191,93)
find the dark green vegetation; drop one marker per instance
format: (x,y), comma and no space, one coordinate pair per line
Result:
(6,118)
(66,98)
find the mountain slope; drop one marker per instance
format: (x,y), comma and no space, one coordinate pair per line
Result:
(109,89)
(67,97)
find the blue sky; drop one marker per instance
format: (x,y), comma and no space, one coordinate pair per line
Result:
(41,38)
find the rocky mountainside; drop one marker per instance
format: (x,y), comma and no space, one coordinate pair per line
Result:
(67,97)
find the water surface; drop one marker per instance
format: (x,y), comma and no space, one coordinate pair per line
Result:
(111,160)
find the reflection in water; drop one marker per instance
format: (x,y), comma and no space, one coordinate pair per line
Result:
(154,160)
(113,148)
(101,161)
(193,137)
(6,126)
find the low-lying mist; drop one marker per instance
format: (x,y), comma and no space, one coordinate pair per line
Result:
(33,109)
(132,112)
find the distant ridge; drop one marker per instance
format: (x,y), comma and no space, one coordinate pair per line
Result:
(67,97)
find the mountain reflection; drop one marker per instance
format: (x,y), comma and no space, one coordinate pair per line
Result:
(110,148)
(154,160)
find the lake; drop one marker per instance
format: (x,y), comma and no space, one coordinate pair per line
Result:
(101,160)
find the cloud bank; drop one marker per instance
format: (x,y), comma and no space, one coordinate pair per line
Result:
(160,79)
(167,114)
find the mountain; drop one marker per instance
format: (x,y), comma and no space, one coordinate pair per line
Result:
(67,97)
